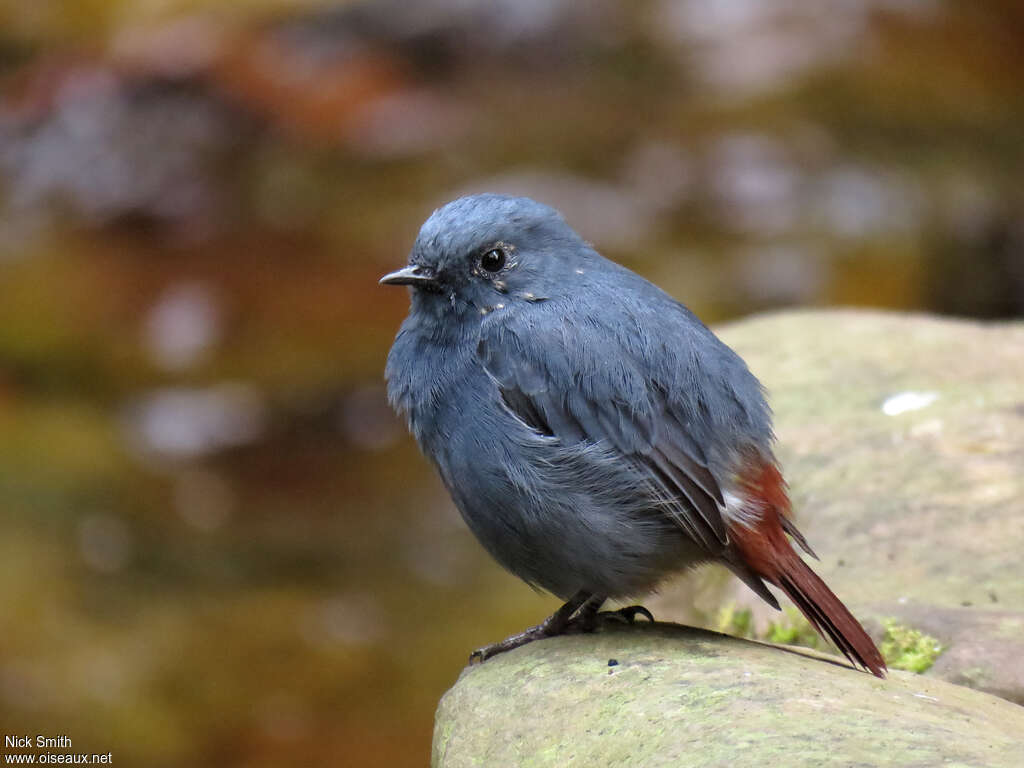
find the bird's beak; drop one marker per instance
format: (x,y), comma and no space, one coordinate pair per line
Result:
(413,274)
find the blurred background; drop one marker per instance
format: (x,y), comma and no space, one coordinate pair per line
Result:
(218,545)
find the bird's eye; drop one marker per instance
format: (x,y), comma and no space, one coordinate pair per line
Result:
(493,260)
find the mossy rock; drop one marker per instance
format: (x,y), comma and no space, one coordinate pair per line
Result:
(666,695)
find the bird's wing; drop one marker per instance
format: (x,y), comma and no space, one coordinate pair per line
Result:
(588,386)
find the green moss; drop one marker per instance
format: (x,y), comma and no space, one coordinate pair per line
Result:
(792,629)
(735,621)
(903,647)
(906,648)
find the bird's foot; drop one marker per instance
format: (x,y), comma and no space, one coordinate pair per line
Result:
(628,614)
(513,641)
(587,621)
(555,624)
(581,614)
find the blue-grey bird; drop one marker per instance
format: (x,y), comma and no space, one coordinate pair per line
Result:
(594,434)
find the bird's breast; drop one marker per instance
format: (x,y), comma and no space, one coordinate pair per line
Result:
(431,379)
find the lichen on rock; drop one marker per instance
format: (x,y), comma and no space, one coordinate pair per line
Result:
(683,696)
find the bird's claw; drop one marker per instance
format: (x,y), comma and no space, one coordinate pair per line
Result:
(628,614)
(579,615)
(590,621)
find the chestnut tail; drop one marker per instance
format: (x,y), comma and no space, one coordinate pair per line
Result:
(768,552)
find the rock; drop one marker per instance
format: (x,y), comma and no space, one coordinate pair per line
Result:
(665,695)
(902,438)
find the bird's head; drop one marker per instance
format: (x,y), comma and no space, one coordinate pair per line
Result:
(486,252)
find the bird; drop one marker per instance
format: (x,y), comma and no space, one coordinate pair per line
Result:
(596,437)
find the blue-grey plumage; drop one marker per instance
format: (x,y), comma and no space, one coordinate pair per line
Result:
(594,434)
(546,391)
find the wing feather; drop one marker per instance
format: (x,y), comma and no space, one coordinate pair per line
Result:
(604,395)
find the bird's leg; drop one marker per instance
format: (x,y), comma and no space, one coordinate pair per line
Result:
(555,624)
(586,619)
